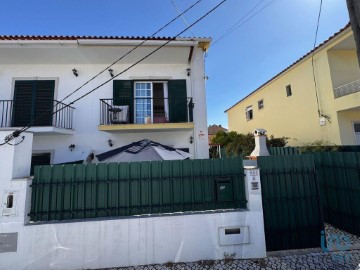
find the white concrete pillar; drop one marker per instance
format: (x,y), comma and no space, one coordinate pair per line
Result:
(15,156)
(253,188)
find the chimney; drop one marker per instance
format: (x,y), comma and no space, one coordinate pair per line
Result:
(260,144)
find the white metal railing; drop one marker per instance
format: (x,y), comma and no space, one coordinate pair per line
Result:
(347,89)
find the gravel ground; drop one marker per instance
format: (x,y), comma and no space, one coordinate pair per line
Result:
(305,259)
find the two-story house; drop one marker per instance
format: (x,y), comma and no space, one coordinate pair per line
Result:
(316,98)
(162,98)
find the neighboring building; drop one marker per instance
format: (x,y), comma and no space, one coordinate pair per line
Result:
(161,99)
(287,104)
(212,130)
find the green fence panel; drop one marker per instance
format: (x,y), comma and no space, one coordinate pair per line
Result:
(78,191)
(291,202)
(339,178)
(283,151)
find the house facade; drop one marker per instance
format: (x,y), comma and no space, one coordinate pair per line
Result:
(162,98)
(291,105)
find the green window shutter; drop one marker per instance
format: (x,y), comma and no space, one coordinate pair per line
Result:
(177,101)
(23,103)
(44,103)
(123,94)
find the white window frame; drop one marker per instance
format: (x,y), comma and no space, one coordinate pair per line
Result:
(166,97)
(353,127)
(262,104)
(247,113)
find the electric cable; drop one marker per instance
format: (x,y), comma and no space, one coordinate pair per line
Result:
(178,10)
(312,61)
(15,134)
(241,21)
(131,66)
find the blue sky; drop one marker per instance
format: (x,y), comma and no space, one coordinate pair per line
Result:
(236,65)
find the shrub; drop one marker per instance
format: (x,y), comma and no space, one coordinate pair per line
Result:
(319,146)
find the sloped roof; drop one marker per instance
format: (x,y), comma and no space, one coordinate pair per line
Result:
(293,64)
(61,37)
(213,129)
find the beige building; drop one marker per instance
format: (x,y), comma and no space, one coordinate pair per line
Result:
(291,104)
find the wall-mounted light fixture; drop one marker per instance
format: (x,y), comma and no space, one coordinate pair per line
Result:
(191,139)
(111,72)
(188,71)
(75,72)
(71,147)
(110,143)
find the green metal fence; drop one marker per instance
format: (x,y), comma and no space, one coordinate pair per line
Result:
(339,178)
(283,151)
(291,202)
(80,191)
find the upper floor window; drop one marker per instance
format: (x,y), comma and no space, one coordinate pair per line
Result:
(249,113)
(260,104)
(288,90)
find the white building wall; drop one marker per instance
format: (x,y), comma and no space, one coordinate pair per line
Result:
(86,119)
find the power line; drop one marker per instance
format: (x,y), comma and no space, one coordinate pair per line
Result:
(186,23)
(18,132)
(243,20)
(312,61)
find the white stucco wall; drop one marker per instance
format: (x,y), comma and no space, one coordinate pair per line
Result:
(87,113)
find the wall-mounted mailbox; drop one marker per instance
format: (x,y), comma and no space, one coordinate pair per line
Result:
(229,236)
(224,190)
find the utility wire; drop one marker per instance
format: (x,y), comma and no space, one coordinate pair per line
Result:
(133,49)
(18,132)
(242,20)
(312,62)
(178,10)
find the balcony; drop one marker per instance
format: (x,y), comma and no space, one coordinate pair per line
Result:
(46,120)
(150,114)
(347,89)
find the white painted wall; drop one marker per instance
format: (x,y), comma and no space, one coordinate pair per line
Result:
(97,243)
(87,113)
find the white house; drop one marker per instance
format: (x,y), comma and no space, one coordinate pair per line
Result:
(160,99)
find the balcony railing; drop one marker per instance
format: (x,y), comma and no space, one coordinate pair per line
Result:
(145,111)
(347,89)
(60,115)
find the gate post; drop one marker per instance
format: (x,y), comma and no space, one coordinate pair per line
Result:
(253,188)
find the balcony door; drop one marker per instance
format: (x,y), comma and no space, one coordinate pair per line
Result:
(33,103)
(151,102)
(357,133)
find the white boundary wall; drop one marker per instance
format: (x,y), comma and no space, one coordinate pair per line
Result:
(95,243)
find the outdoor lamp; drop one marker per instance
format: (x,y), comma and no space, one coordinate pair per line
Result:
(71,147)
(191,139)
(111,72)
(110,143)
(75,72)
(188,71)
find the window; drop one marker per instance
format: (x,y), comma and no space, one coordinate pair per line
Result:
(288,90)
(33,99)
(260,104)
(249,113)
(151,102)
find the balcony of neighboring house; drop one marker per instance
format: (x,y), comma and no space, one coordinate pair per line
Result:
(146,114)
(45,117)
(347,89)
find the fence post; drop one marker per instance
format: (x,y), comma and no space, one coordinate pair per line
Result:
(253,188)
